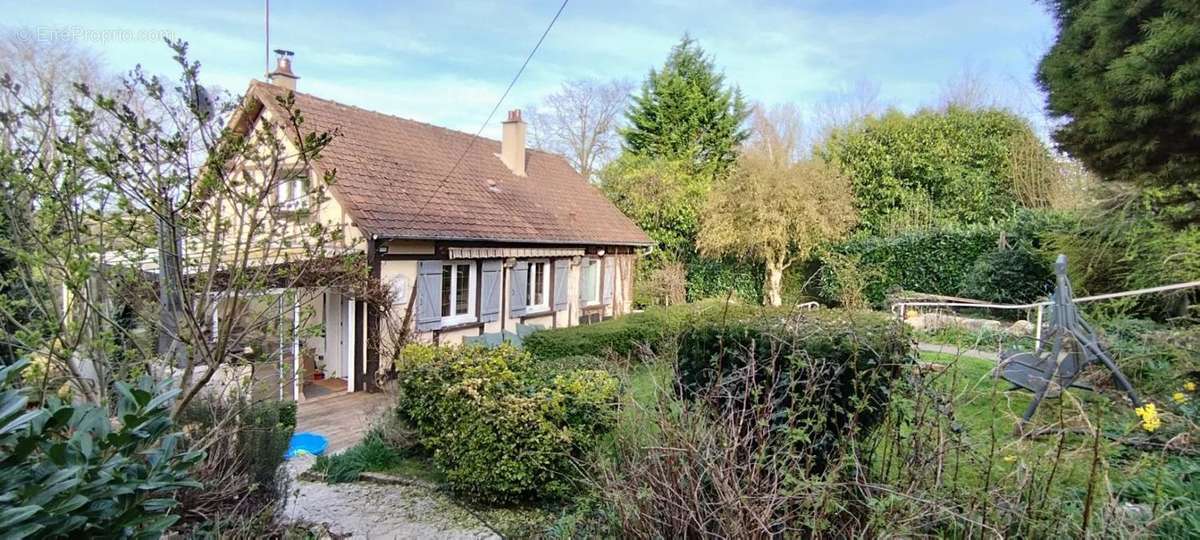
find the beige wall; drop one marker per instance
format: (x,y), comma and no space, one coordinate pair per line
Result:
(323,207)
(622,264)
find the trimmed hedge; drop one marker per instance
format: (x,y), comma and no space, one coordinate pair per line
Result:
(499,430)
(936,262)
(625,336)
(831,370)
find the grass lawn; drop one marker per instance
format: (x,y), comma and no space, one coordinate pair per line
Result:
(988,410)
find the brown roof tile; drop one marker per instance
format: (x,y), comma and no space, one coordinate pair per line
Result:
(388,167)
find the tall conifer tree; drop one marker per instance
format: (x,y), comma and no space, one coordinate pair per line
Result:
(686,112)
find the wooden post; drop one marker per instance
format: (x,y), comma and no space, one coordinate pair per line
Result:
(1037,331)
(352,344)
(297,368)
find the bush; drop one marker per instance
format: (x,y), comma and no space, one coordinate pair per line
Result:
(651,330)
(245,445)
(71,471)
(831,371)
(935,262)
(498,430)
(372,454)
(1008,276)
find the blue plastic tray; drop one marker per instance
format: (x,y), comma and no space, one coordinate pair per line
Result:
(306,443)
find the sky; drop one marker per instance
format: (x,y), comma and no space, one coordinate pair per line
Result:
(448,62)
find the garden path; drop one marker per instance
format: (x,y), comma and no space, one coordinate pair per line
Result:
(955,350)
(375,511)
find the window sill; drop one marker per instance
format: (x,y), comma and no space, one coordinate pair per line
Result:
(460,325)
(541,312)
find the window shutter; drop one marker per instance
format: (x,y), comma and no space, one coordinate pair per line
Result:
(489,303)
(609,270)
(518,288)
(561,270)
(429,295)
(583,266)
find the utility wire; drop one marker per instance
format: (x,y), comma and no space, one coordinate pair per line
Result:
(438,188)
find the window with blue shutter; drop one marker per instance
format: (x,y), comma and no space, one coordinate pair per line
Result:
(429,295)
(561,269)
(518,288)
(489,303)
(609,271)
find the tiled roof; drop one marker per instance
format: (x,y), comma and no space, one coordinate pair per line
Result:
(389,167)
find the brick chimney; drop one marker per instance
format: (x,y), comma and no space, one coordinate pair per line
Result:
(283,76)
(512,143)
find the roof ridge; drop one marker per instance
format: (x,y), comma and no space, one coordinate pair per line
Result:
(401,118)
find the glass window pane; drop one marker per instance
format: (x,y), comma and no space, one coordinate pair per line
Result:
(539,285)
(446,282)
(462,289)
(589,281)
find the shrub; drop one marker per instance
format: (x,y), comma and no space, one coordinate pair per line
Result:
(500,430)
(1009,276)
(245,445)
(831,371)
(652,330)
(71,471)
(372,454)
(934,262)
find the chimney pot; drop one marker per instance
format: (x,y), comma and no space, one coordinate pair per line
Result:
(512,143)
(283,75)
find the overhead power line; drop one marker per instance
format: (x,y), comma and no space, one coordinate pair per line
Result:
(438,188)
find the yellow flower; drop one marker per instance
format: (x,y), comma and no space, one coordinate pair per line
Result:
(1179,398)
(1010,458)
(1149,416)
(1189,386)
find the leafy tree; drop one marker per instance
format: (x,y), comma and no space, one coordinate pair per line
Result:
(683,134)
(662,196)
(1125,78)
(686,112)
(931,168)
(774,208)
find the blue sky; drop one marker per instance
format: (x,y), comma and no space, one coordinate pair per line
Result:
(448,62)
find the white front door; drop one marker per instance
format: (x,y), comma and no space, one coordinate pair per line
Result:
(335,335)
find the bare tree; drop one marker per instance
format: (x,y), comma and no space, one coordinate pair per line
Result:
(580,122)
(45,71)
(968,89)
(851,103)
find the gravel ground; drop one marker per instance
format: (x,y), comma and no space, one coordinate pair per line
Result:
(369,510)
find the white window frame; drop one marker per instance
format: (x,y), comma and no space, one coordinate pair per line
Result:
(290,192)
(472,280)
(530,307)
(591,262)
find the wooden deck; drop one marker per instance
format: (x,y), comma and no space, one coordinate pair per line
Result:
(342,418)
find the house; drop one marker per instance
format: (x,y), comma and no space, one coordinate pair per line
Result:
(487,234)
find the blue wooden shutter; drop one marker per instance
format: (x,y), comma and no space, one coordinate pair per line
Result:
(608,268)
(518,288)
(489,303)
(561,270)
(583,270)
(429,295)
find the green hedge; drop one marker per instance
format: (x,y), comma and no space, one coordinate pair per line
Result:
(499,430)
(624,336)
(935,262)
(831,371)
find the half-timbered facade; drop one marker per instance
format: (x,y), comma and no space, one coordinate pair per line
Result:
(473,237)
